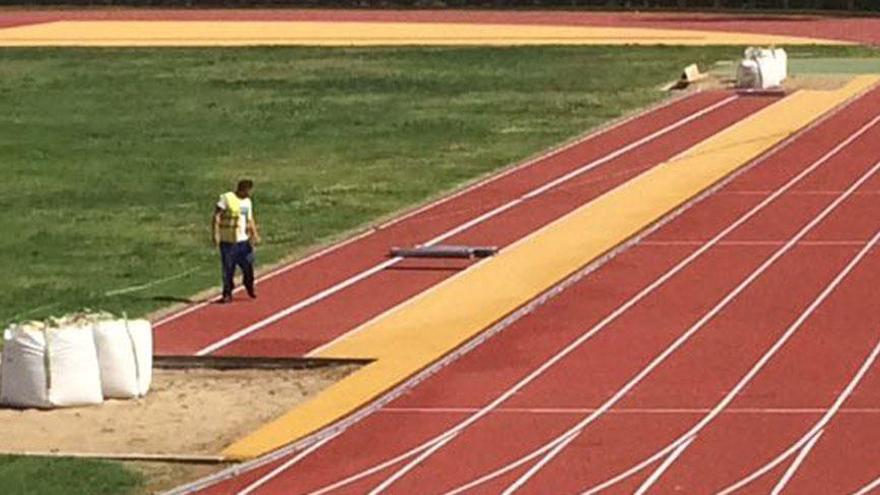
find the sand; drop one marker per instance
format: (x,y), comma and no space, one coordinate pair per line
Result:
(194,412)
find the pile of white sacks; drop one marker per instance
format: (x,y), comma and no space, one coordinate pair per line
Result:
(76,360)
(762,68)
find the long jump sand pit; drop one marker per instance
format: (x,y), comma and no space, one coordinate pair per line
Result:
(189,413)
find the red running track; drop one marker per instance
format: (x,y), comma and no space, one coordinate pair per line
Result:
(282,323)
(861,29)
(737,344)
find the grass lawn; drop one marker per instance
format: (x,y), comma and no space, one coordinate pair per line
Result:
(53,476)
(112,159)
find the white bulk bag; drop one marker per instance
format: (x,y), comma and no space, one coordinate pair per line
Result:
(771,76)
(125,354)
(747,75)
(781,62)
(49,367)
(772,67)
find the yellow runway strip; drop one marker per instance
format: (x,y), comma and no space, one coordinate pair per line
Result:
(249,33)
(420,331)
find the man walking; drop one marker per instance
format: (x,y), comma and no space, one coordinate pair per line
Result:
(234,231)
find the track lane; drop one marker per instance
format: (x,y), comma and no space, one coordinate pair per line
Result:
(188,332)
(809,373)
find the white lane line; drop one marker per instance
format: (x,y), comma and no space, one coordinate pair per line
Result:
(745,243)
(563,442)
(870,487)
(804,192)
(581,410)
(755,369)
(372,470)
(440,201)
(643,488)
(450,233)
(721,305)
(610,318)
(820,425)
(410,466)
(275,472)
(294,308)
(191,309)
(147,285)
(789,473)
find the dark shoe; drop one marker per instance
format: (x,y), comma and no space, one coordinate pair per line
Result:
(252,293)
(226,300)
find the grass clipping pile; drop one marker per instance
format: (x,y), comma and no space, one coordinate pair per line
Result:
(191,413)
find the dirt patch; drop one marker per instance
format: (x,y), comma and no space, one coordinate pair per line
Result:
(723,76)
(187,412)
(160,477)
(816,82)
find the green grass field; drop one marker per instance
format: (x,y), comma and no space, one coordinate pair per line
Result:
(112,160)
(44,476)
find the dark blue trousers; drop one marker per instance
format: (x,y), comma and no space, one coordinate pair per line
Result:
(239,254)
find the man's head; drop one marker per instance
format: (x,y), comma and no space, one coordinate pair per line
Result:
(243,189)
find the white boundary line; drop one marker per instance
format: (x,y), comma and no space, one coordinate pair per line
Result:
(789,473)
(757,243)
(561,443)
(147,285)
(339,286)
(555,150)
(819,426)
(643,488)
(870,487)
(501,325)
(731,395)
(581,410)
(265,479)
(798,193)
(415,462)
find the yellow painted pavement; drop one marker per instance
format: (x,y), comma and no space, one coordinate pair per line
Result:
(420,331)
(248,33)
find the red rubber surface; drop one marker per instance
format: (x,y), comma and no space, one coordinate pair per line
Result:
(778,405)
(857,29)
(318,324)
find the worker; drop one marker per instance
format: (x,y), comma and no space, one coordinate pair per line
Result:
(235,234)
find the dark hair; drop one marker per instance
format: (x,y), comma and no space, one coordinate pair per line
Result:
(245,185)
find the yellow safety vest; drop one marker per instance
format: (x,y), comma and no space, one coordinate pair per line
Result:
(230,218)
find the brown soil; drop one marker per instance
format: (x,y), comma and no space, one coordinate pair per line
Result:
(820,82)
(160,477)
(187,412)
(721,76)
